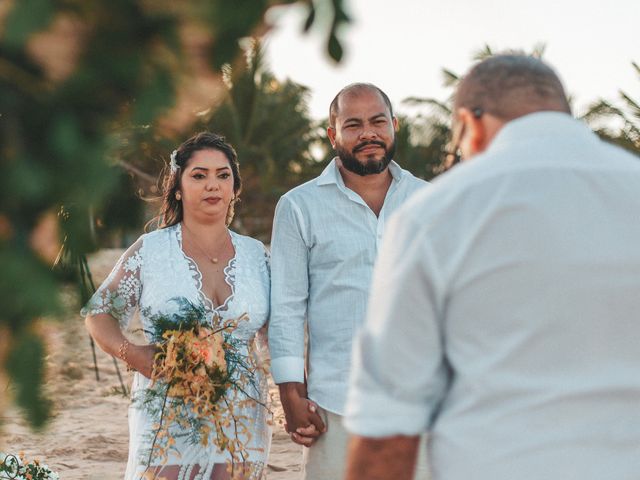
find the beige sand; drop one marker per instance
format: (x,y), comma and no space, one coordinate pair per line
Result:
(88,436)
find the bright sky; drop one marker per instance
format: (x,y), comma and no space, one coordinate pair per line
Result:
(402,45)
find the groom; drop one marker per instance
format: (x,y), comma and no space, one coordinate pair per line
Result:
(504,315)
(326,235)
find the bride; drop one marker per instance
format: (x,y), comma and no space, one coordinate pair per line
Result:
(192,255)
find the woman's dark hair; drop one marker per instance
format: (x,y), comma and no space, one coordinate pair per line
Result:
(171,210)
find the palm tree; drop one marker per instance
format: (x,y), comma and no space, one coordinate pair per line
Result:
(268,122)
(628,116)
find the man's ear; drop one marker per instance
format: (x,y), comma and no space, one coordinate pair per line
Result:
(396,124)
(331,133)
(475,132)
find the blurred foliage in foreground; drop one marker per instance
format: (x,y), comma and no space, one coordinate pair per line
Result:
(74,77)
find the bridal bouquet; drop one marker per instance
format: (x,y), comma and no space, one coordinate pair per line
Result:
(200,382)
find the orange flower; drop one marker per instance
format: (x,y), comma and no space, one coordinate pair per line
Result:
(212,349)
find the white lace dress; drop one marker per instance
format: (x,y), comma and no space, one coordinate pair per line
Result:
(147,277)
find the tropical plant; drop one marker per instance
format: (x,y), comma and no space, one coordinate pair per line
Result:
(419,143)
(626,116)
(268,123)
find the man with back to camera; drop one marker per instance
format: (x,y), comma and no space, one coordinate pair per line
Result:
(326,235)
(504,307)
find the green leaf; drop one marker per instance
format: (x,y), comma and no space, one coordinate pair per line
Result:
(483,53)
(631,104)
(340,14)
(334,48)
(25,366)
(27,18)
(310,18)
(450,78)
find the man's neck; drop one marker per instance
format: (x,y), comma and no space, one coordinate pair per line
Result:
(371,188)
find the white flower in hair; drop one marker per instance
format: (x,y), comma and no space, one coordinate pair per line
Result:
(172,164)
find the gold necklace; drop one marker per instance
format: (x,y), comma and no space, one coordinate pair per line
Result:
(213,260)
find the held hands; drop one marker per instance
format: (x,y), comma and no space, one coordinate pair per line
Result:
(302,420)
(307,436)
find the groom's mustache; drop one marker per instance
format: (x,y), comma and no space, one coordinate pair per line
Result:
(362,145)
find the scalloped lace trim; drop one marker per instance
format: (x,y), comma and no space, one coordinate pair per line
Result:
(229,274)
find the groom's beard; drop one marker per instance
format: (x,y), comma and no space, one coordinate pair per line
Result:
(370,166)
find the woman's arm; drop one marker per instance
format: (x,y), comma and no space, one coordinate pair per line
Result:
(105,330)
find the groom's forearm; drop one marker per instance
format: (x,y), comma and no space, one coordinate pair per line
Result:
(382,458)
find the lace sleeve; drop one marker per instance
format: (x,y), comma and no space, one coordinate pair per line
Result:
(119,294)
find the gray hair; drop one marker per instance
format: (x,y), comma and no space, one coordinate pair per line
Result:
(509,86)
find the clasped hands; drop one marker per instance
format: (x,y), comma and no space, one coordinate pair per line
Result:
(303,423)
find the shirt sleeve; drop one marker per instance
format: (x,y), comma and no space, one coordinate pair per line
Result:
(399,373)
(289,293)
(119,294)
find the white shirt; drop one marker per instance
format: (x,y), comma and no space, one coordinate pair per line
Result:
(324,244)
(505,313)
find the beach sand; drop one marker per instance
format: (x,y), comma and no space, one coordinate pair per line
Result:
(87,438)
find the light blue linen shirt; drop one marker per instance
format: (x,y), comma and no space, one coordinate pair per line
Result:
(324,244)
(505,313)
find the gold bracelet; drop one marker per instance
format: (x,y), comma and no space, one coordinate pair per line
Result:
(122,353)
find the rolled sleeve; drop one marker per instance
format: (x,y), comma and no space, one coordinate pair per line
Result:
(399,374)
(289,293)
(287,369)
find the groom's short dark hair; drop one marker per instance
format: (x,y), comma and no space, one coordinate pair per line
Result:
(355,88)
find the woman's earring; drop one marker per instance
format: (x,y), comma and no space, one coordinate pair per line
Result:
(178,196)
(231,210)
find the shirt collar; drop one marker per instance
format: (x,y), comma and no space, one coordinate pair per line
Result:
(541,124)
(331,173)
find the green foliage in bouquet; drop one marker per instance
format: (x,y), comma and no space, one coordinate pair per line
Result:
(202,378)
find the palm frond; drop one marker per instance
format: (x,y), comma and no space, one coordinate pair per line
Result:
(600,109)
(631,105)
(449,78)
(437,107)
(484,53)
